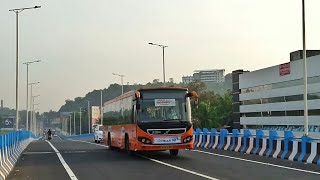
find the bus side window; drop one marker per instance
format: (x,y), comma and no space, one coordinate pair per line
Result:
(133,115)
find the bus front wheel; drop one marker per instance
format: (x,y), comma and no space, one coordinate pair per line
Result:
(174,152)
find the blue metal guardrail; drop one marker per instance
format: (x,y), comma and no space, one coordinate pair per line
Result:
(304,149)
(11,146)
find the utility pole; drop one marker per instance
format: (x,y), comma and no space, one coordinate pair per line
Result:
(101,111)
(74,123)
(80,120)
(17,11)
(163,65)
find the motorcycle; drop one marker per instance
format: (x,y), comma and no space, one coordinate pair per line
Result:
(49,137)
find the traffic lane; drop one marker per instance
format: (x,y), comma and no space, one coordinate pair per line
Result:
(38,161)
(286,163)
(225,168)
(276,161)
(88,139)
(54,138)
(38,146)
(75,146)
(102,163)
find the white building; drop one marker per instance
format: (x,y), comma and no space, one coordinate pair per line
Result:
(274,95)
(187,79)
(210,75)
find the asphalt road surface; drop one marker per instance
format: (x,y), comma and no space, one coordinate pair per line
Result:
(82,159)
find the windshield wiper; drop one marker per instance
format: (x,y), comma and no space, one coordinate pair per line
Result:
(183,122)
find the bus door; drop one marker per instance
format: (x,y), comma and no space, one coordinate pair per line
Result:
(134,121)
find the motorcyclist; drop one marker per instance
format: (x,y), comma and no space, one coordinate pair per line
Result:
(49,134)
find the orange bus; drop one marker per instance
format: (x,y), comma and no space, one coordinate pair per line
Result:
(153,119)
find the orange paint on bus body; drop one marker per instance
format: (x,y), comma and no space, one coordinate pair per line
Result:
(117,133)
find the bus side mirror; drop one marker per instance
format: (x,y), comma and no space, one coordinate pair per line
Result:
(195,98)
(192,94)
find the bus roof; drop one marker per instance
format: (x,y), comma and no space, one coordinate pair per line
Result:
(164,88)
(132,93)
(125,95)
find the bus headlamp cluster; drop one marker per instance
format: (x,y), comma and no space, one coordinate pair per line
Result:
(144,140)
(187,139)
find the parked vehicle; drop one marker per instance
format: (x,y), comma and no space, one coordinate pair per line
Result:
(98,133)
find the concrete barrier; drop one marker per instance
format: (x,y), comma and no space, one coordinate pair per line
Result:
(214,138)
(11,146)
(270,144)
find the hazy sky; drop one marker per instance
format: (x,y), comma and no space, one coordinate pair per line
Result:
(81,42)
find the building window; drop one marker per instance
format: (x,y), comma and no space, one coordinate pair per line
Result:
(313,96)
(294,98)
(297,82)
(295,113)
(278,113)
(312,112)
(280,99)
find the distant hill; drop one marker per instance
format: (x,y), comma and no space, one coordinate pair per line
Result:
(114,90)
(109,93)
(7,112)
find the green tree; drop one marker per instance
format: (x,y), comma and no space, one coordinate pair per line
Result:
(1,120)
(197,86)
(213,110)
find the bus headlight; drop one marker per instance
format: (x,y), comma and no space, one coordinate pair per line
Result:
(144,140)
(187,139)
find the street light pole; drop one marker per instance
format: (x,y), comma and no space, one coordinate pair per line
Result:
(305,69)
(88,112)
(74,123)
(27,108)
(33,119)
(31,102)
(17,11)
(120,75)
(70,125)
(80,120)
(101,111)
(163,65)
(27,102)
(17,70)
(35,124)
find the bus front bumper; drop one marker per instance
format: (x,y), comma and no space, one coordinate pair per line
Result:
(154,147)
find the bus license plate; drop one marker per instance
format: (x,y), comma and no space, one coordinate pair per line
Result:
(167,140)
(166,147)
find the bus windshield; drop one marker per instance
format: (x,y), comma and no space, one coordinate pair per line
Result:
(158,107)
(151,111)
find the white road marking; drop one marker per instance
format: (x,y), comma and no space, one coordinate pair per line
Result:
(258,162)
(38,152)
(64,164)
(89,143)
(59,137)
(66,152)
(179,168)
(160,162)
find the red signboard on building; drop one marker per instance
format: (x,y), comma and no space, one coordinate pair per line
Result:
(284,69)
